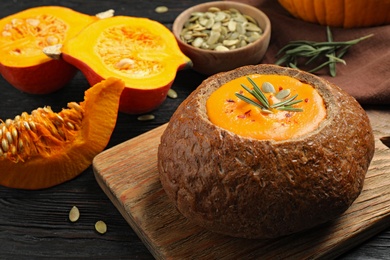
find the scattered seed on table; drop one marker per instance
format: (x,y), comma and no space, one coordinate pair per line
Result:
(101,227)
(145,117)
(172,93)
(161,9)
(74,214)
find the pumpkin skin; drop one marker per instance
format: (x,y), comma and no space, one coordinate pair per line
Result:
(43,149)
(149,48)
(22,62)
(343,13)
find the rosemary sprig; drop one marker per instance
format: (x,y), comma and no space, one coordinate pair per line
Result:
(331,56)
(258,93)
(295,51)
(263,104)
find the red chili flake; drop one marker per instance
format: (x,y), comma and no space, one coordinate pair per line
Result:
(306,100)
(288,115)
(280,88)
(247,113)
(230,100)
(241,92)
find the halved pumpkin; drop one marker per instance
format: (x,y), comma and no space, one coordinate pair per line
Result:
(22,38)
(43,149)
(142,52)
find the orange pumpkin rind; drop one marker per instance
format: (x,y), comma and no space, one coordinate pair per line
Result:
(43,149)
(25,34)
(141,52)
(347,13)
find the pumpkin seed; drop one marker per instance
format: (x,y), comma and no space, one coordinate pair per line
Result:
(14,133)
(6,34)
(197,42)
(51,40)
(9,137)
(229,43)
(250,19)
(74,214)
(241,28)
(101,227)
(240,18)
(214,9)
(124,63)
(221,48)
(215,28)
(253,37)
(234,36)
(53,51)
(33,22)
(232,26)
(145,117)
(4,145)
(220,16)
(268,87)
(283,94)
(161,9)
(252,27)
(8,122)
(106,14)
(243,43)
(198,34)
(214,37)
(172,93)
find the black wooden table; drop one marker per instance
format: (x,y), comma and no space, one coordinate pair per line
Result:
(35,225)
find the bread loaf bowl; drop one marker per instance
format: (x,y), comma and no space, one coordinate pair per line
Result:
(265,188)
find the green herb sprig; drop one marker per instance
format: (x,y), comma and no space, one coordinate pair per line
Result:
(309,51)
(285,104)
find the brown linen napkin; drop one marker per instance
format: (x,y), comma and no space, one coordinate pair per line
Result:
(367,73)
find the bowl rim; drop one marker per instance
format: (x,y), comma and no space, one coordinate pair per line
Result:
(176,31)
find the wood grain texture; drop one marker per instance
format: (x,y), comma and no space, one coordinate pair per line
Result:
(127,173)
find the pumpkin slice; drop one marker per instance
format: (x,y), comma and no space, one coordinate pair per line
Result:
(25,34)
(43,149)
(142,52)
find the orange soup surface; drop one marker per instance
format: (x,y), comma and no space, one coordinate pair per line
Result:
(229,112)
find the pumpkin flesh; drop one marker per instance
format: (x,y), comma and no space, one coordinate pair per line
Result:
(142,52)
(43,149)
(22,39)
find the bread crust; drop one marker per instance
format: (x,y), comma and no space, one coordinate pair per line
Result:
(251,188)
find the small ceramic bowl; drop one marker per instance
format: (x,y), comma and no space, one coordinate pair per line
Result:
(209,62)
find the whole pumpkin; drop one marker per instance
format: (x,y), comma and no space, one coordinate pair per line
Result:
(340,13)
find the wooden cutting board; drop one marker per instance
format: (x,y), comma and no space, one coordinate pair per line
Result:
(127,173)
